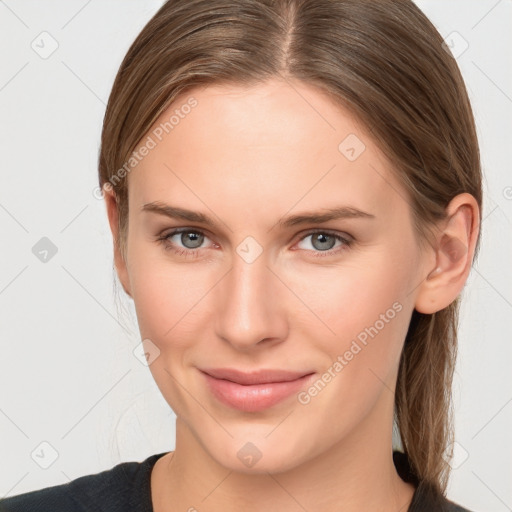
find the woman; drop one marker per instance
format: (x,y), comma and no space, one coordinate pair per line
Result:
(294,193)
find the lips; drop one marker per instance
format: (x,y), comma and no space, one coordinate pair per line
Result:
(256,391)
(264,376)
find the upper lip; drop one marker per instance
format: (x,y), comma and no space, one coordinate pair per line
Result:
(257,377)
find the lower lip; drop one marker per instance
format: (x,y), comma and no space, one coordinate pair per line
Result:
(254,397)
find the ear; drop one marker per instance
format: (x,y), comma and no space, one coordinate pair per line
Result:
(454,251)
(113,219)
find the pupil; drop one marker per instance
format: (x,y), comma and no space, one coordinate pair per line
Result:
(323,241)
(191,240)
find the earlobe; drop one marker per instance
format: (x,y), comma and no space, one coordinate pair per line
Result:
(455,246)
(113,219)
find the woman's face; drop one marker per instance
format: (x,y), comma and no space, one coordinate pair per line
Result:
(255,288)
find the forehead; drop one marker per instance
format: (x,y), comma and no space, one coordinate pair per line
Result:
(277,141)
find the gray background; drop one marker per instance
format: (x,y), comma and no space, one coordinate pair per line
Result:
(74,397)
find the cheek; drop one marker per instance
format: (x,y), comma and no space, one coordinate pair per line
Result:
(367,313)
(361,308)
(171,299)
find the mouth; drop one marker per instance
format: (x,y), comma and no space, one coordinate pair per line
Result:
(257,391)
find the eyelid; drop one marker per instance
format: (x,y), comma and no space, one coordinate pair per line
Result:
(347,237)
(169,232)
(166,236)
(346,240)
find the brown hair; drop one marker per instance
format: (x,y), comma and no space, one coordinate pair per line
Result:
(386,63)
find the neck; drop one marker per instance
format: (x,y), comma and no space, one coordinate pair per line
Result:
(355,474)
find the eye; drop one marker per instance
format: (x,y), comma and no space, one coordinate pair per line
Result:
(190,239)
(183,241)
(324,242)
(189,242)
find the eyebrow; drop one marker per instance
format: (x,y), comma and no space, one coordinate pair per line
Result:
(318,217)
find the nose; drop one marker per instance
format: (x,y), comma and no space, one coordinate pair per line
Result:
(250,306)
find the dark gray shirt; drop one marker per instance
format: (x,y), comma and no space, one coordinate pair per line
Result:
(126,488)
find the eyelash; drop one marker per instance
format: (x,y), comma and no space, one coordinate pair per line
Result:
(194,253)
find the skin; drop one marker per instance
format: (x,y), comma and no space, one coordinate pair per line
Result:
(249,157)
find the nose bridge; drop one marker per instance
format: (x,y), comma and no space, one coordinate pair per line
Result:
(249,310)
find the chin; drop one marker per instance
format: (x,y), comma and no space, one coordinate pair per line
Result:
(256,454)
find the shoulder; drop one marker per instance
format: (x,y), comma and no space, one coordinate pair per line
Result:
(126,486)
(426,498)
(453,507)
